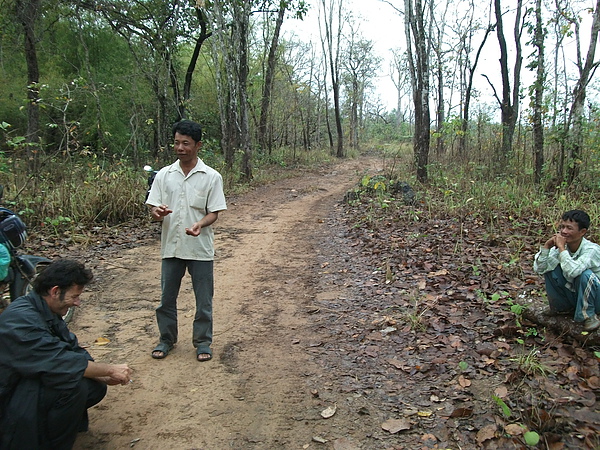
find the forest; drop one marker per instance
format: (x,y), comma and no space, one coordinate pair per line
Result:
(91,89)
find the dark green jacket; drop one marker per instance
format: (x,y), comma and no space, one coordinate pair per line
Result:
(37,350)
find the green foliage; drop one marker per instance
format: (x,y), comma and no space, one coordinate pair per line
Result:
(529,362)
(503,406)
(56,223)
(531,438)
(495,297)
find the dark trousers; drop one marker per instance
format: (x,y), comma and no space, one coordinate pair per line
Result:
(172,272)
(39,417)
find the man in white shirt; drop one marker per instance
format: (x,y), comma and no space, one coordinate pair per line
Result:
(187,197)
(571,268)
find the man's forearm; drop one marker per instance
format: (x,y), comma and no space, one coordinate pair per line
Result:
(209,219)
(108,373)
(97,370)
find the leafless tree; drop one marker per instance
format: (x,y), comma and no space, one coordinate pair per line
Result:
(586,70)
(438,36)
(509,104)
(401,79)
(465,29)
(360,65)
(332,22)
(418,46)
(538,93)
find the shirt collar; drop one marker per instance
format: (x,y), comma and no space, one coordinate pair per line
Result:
(200,167)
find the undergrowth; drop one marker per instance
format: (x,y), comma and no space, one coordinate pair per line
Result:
(70,194)
(80,191)
(468,191)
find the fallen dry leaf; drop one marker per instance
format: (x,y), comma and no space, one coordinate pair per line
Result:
(397,364)
(486,433)
(102,341)
(344,444)
(329,412)
(501,391)
(395,425)
(428,437)
(514,429)
(464,382)
(462,412)
(438,273)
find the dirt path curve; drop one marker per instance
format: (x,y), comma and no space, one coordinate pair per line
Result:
(255,393)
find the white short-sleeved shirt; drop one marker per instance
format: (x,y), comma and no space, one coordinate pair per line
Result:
(190,197)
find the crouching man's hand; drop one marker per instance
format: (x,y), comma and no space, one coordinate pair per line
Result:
(120,374)
(111,374)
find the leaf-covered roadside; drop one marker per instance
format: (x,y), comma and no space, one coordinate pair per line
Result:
(430,331)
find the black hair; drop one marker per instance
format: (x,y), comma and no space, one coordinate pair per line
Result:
(578,216)
(63,273)
(188,128)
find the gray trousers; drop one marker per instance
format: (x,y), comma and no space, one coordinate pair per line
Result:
(173,270)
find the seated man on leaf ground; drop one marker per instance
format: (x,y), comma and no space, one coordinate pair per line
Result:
(571,267)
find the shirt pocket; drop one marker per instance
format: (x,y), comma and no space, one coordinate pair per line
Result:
(199,201)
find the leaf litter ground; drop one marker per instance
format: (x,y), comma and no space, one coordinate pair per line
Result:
(429,332)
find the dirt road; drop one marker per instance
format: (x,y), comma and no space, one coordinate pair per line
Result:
(263,389)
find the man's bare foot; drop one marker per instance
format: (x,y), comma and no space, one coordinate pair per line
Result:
(204,357)
(157,354)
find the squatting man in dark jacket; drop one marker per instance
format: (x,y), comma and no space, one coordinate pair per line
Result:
(570,265)
(47,381)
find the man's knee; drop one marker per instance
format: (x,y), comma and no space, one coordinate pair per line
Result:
(588,276)
(96,391)
(67,414)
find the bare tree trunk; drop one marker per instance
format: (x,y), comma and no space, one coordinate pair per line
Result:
(28,13)
(189,74)
(440,77)
(269,77)
(419,69)
(242,29)
(333,59)
(462,140)
(538,122)
(354,115)
(509,105)
(576,117)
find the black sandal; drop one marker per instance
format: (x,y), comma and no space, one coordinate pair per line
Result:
(163,348)
(205,351)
